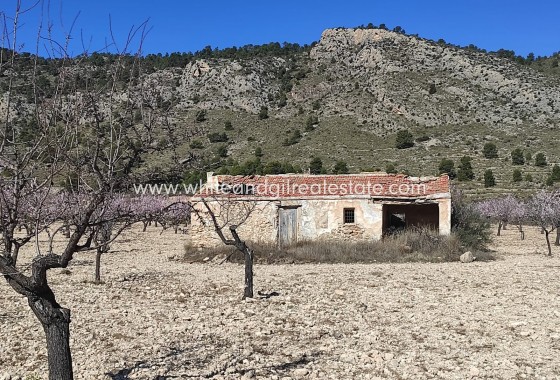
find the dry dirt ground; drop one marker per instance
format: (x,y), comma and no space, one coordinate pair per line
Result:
(155,318)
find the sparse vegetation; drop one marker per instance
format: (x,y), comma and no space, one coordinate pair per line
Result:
(420,245)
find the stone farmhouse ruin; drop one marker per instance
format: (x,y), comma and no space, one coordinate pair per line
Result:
(289,208)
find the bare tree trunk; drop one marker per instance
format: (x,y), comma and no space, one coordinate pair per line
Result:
(248,291)
(67,230)
(499,228)
(521,231)
(98,254)
(557,242)
(15,254)
(546,234)
(240,245)
(145,226)
(56,324)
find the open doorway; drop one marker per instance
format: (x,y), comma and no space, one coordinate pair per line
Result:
(397,217)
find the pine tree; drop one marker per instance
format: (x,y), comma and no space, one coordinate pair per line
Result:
(465,172)
(517,157)
(517,176)
(540,160)
(316,166)
(340,168)
(447,166)
(489,180)
(490,150)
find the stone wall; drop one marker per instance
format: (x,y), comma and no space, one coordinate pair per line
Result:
(323,219)
(260,226)
(317,219)
(444,216)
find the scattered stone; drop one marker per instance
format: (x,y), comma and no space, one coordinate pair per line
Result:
(248,375)
(467,257)
(300,373)
(422,321)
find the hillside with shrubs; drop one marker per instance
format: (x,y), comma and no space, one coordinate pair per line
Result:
(359,99)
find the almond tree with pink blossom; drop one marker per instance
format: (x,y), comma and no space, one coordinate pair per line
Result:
(501,210)
(544,210)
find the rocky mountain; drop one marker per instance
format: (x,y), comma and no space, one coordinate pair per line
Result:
(344,98)
(382,78)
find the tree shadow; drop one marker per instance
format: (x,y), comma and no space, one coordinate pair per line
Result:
(263,295)
(276,368)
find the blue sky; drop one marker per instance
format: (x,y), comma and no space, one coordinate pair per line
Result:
(175,25)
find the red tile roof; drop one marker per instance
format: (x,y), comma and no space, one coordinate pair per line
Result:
(305,185)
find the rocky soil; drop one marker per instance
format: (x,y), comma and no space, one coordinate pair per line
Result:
(156,318)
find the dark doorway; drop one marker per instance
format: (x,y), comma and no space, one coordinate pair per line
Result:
(397,217)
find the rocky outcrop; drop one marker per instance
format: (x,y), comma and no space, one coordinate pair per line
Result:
(385,79)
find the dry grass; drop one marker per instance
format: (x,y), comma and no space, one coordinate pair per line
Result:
(409,246)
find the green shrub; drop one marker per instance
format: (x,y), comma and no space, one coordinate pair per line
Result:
(489,180)
(340,168)
(489,150)
(263,113)
(432,89)
(404,139)
(215,137)
(540,160)
(200,116)
(222,151)
(447,166)
(465,172)
(316,166)
(517,157)
(390,169)
(273,167)
(196,144)
(293,139)
(517,176)
(310,123)
(228,126)
(472,229)
(555,175)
